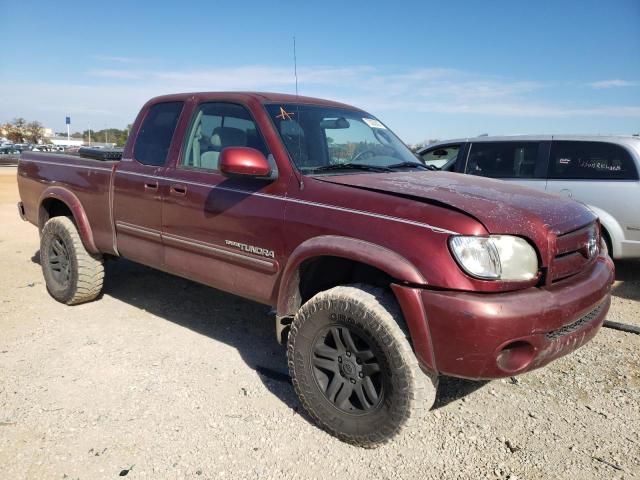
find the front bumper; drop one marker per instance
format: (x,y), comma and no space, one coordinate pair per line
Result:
(479,335)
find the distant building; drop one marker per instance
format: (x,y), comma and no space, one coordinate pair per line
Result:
(63,142)
(78,142)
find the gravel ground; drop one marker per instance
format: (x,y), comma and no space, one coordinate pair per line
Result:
(164,378)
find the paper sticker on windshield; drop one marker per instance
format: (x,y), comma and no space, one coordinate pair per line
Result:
(284,115)
(373,123)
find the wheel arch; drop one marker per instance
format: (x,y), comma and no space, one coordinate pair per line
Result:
(612,229)
(395,266)
(56,201)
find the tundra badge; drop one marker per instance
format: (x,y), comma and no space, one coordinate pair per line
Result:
(251,249)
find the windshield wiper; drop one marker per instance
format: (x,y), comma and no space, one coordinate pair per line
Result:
(351,166)
(411,165)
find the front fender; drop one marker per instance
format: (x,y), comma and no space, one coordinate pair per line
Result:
(79,216)
(390,262)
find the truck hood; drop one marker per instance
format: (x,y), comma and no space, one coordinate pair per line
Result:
(503,208)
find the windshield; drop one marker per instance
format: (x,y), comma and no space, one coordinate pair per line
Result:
(324,139)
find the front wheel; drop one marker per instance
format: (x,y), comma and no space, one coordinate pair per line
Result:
(353,368)
(71,273)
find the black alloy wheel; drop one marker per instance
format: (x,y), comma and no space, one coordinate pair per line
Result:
(347,369)
(59,261)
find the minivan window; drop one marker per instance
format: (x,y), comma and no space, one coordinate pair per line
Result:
(574,160)
(216,126)
(503,159)
(154,138)
(440,156)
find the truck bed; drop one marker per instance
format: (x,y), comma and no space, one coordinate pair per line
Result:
(87,180)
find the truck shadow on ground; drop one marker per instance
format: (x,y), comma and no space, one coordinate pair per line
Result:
(245,325)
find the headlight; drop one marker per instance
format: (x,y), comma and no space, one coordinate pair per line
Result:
(496,257)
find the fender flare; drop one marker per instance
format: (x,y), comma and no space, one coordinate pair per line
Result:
(77,210)
(390,262)
(613,228)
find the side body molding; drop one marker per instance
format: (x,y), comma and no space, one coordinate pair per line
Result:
(80,217)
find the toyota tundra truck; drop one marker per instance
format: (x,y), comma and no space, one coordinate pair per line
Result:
(383,273)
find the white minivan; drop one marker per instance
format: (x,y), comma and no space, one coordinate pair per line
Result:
(599,171)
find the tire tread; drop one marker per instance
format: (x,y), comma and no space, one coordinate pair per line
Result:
(417,394)
(90,268)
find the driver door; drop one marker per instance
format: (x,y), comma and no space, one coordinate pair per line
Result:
(224,232)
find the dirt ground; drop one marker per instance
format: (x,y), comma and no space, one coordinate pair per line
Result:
(163,378)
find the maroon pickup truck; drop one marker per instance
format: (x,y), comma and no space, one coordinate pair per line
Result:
(383,273)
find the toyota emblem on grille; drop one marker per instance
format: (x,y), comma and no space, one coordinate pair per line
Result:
(592,247)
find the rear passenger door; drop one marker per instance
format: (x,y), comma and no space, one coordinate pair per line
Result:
(601,175)
(522,162)
(138,186)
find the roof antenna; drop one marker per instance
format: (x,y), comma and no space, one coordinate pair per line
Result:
(295,64)
(295,74)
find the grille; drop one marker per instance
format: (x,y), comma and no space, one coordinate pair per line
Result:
(572,327)
(572,252)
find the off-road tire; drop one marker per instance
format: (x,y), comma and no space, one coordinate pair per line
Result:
(409,392)
(84,272)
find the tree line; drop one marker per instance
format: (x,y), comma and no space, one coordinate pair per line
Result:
(20,130)
(106,135)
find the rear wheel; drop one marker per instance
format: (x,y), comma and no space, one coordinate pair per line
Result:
(353,367)
(71,273)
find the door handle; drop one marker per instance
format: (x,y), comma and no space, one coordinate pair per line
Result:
(178,190)
(151,186)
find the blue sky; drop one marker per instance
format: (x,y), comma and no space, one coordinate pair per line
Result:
(427,69)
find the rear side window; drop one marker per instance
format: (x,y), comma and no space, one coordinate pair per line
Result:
(440,156)
(503,159)
(154,138)
(590,161)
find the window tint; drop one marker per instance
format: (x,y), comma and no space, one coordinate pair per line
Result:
(440,156)
(154,138)
(590,161)
(503,159)
(216,126)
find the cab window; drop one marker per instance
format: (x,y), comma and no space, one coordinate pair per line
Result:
(503,159)
(440,156)
(216,126)
(572,160)
(156,132)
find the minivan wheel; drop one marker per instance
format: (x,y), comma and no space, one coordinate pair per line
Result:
(71,273)
(353,368)
(607,242)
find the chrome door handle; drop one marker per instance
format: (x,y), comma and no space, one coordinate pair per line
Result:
(178,190)
(151,186)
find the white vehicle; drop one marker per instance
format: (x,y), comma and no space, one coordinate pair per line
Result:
(598,171)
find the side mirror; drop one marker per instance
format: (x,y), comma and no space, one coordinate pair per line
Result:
(244,162)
